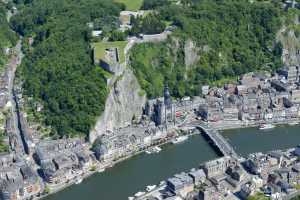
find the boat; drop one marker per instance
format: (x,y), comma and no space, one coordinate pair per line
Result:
(148,152)
(101,170)
(138,194)
(155,149)
(180,139)
(131,198)
(266,126)
(293,123)
(162,183)
(78,181)
(150,187)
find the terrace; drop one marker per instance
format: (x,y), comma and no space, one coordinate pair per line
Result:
(101,48)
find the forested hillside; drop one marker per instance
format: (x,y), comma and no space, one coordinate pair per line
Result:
(230,38)
(7,37)
(7,40)
(58,70)
(214,41)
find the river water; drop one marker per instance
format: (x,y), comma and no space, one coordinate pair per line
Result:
(251,140)
(135,174)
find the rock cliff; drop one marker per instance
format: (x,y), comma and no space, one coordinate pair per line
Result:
(124,102)
(290,41)
(191,53)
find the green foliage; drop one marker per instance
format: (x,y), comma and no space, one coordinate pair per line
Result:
(93,168)
(3,147)
(150,24)
(99,49)
(117,36)
(232,38)
(154,66)
(152,4)
(258,196)
(59,70)
(47,189)
(7,37)
(132,5)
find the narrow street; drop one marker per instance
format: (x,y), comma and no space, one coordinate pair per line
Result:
(11,70)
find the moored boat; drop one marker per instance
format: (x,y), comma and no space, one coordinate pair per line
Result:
(150,187)
(180,139)
(155,149)
(293,123)
(148,152)
(78,181)
(138,194)
(266,126)
(101,170)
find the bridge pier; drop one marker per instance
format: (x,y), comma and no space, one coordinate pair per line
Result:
(211,143)
(217,141)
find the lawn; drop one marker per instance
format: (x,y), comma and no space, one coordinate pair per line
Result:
(99,49)
(258,196)
(131,5)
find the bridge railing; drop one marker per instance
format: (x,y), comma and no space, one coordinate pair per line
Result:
(219,140)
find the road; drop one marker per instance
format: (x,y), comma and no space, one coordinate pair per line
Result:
(12,65)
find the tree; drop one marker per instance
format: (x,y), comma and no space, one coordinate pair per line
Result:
(59,70)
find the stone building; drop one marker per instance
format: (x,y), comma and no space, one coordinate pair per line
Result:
(18,183)
(218,166)
(295,96)
(198,176)
(180,184)
(291,73)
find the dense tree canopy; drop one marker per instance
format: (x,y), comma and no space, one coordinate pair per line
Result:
(150,24)
(7,37)
(153,4)
(232,37)
(58,71)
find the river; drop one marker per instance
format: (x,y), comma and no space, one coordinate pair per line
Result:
(251,140)
(133,175)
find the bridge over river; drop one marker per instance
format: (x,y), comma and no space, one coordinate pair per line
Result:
(218,140)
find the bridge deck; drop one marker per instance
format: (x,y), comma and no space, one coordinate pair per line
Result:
(218,139)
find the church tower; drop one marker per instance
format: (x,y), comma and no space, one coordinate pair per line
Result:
(168,104)
(167,98)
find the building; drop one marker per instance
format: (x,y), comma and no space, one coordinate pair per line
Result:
(198,176)
(295,96)
(291,73)
(19,182)
(180,184)
(218,166)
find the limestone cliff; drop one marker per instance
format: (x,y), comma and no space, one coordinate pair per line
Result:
(290,41)
(191,53)
(124,102)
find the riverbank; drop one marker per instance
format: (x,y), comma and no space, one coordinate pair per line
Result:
(135,174)
(102,166)
(222,125)
(193,185)
(243,131)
